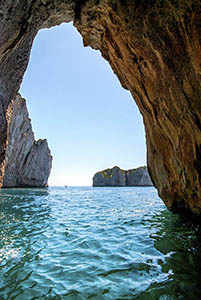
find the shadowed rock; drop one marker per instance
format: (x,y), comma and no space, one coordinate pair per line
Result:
(119,177)
(27,162)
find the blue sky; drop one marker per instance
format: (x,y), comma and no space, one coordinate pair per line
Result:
(77,103)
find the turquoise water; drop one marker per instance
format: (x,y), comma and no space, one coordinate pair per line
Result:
(95,243)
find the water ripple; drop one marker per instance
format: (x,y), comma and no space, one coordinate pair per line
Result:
(95,243)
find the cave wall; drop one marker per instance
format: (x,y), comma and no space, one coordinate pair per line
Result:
(154,47)
(19,24)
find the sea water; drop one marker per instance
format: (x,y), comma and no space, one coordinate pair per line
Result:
(95,243)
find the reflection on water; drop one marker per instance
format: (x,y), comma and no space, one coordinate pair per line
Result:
(95,243)
(183,241)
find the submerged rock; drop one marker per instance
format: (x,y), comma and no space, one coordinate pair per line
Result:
(27,162)
(119,177)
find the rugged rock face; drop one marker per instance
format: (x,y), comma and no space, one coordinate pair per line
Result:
(154,47)
(27,162)
(138,177)
(110,177)
(119,177)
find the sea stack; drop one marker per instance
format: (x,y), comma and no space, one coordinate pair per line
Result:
(27,162)
(119,177)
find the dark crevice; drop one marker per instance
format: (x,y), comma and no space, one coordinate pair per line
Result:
(197,120)
(18,38)
(23,29)
(78,8)
(142,84)
(195,117)
(126,175)
(144,107)
(27,156)
(116,48)
(197,163)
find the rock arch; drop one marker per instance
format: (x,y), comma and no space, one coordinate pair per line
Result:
(154,47)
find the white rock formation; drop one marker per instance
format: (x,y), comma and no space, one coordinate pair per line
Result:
(27,162)
(119,177)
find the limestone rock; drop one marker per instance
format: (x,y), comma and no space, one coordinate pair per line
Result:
(27,162)
(119,177)
(138,177)
(110,177)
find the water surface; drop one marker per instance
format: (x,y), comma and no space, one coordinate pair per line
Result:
(95,243)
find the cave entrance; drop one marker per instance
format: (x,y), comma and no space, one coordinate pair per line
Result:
(78,104)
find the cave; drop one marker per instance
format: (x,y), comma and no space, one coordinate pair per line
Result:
(154,48)
(87,128)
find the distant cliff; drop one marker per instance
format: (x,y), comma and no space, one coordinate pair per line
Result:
(27,162)
(118,177)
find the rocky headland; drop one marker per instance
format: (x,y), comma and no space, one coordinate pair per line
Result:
(118,177)
(154,48)
(27,162)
